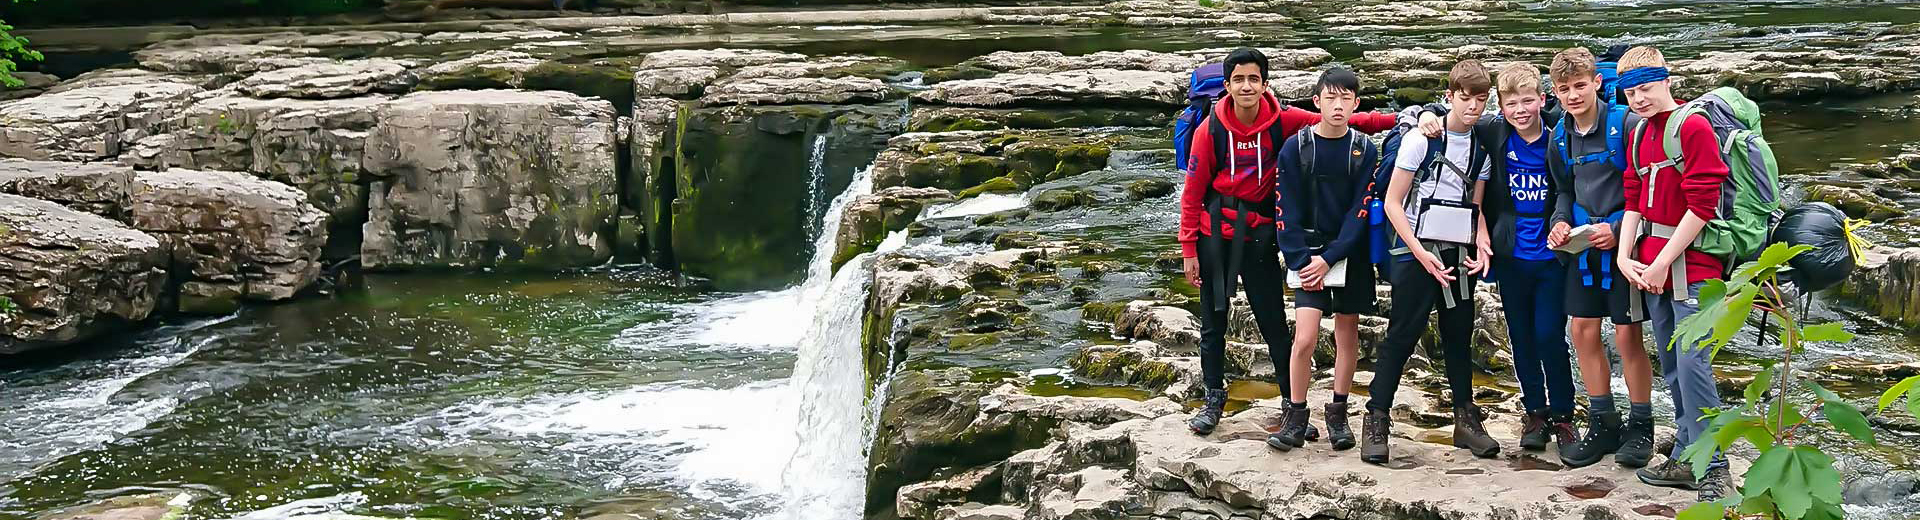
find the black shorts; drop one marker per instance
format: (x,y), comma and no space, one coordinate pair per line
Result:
(1596,301)
(1356,298)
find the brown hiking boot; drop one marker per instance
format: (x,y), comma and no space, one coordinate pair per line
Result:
(1564,435)
(1374,431)
(1469,433)
(1534,436)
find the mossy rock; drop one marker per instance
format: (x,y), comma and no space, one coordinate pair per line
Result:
(1016,240)
(1860,203)
(1415,95)
(1040,282)
(1059,199)
(1104,364)
(1102,312)
(953,171)
(1144,189)
(478,78)
(956,73)
(1002,184)
(967,341)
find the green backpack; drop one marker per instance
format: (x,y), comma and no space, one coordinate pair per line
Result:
(1750,203)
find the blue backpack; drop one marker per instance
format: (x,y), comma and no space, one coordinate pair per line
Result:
(1616,128)
(1609,82)
(1204,87)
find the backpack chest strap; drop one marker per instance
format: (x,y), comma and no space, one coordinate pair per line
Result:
(1677,273)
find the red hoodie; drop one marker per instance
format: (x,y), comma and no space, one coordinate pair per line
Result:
(1253,158)
(1675,193)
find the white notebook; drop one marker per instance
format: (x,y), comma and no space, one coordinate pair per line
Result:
(1577,240)
(1336,276)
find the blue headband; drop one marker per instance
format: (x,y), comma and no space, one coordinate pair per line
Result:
(1642,76)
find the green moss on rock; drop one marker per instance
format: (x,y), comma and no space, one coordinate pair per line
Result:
(1002,184)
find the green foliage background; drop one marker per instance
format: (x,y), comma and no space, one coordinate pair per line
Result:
(13,48)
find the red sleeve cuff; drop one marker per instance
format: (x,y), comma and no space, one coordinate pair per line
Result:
(1189,250)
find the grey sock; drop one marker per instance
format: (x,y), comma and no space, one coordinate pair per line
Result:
(1599,404)
(1640,411)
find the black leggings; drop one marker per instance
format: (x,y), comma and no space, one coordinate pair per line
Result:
(1264,280)
(1415,292)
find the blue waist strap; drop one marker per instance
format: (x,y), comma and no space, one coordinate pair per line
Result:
(1605,272)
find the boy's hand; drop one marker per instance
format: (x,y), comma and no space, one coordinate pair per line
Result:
(1431,125)
(1191,266)
(1433,266)
(1602,236)
(1655,276)
(1630,269)
(1315,269)
(1482,260)
(1558,235)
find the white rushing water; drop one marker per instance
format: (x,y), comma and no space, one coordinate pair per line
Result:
(816,186)
(780,449)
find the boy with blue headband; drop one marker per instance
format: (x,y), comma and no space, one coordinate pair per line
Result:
(1674,199)
(1587,156)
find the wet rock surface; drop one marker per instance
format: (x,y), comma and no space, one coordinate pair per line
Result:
(70,276)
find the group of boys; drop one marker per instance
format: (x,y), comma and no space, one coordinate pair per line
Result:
(1281,195)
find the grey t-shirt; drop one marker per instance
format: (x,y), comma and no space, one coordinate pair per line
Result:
(1448,185)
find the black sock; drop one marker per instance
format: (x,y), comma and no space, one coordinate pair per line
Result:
(1297,405)
(1339,398)
(1640,411)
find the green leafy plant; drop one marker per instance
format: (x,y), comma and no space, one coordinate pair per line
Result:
(1791,479)
(13,48)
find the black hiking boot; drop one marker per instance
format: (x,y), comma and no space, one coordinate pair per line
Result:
(1208,418)
(1636,444)
(1603,438)
(1337,431)
(1375,428)
(1293,430)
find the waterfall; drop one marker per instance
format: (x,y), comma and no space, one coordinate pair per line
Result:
(826,476)
(816,185)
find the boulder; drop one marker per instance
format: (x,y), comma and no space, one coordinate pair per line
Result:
(1799,73)
(194,56)
(919,501)
(490,177)
(317,146)
(958,161)
(674,82)
(868,219)
(1172,327)
(69,276)
(1887,282)
(1084,86)
(331,80)
(231,236)
(90,117)
(97,188)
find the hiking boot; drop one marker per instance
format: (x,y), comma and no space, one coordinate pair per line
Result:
(1469,433)
(1636,444)
(1374,431)
(1204,421)
(1535,435)
(1716,485)
(1564,436)
(1603,438)
(1672,473)
(1337,431)
(1293,430)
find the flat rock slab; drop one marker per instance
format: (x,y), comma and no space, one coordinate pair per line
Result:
(232,236)
(331,80)
(97,188)
(1135,87)
(88,118)
(71,275)
(784,91)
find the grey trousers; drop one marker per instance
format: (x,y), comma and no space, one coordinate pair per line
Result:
(1689,375)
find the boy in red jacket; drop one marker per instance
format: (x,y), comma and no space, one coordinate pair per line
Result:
(1674,198)
(1227,215)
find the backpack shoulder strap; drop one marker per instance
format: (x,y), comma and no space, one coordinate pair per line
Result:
(1670,137)
(1360,145)
(1307,152)
(1616,134)
(1222,141)
(1559,141)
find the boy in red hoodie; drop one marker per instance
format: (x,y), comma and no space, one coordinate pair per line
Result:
(1674,197)
(1227,215)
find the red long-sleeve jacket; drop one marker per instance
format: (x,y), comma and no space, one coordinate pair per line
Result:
(1252,158)
(1676,192)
